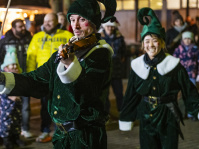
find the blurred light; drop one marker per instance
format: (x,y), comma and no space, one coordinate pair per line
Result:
(18,15)
(32,17)
(25,15)
(159,3)
(11,9)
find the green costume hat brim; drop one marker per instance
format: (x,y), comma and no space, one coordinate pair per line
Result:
(90,10)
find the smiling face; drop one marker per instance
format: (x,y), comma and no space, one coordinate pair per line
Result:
(81,26)
(152,45)
(19,30)
(50,23)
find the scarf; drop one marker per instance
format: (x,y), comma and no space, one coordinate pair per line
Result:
(157,59)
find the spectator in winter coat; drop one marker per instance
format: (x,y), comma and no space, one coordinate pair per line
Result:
(114,38)
(188,53)
(10,117)
(173,35)
(19,38)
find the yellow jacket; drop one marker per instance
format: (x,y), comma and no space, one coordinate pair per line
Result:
(43,45)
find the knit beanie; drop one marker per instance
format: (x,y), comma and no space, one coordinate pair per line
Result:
(176,15)
(90,10)
(10,57)
(187,34)
(150,27)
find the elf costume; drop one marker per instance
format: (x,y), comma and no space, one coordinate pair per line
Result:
(151,95)
(77,93)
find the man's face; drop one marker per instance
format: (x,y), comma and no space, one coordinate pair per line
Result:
(109,30)
(50,23)
(152,45)
(19,30)
(81,26)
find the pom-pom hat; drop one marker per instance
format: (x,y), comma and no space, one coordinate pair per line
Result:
(150,27)
(10,57)
(187,34)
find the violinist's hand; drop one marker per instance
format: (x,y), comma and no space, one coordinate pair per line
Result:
(14,98)
(66,61)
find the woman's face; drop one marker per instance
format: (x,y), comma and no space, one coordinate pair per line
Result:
(178,23)
(152,45)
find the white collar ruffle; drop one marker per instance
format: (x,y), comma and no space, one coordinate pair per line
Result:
(142,69)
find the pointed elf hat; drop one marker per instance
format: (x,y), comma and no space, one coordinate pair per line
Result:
(150,27)
(90,10)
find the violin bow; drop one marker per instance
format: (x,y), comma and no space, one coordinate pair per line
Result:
(8,5)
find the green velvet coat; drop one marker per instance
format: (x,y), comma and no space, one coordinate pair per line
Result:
(81,100)
(167,78)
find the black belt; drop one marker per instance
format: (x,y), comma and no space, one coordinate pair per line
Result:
(160,100)
(66,126)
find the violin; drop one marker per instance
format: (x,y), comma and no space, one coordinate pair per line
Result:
(73,46)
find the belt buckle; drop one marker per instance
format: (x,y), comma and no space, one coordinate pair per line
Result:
(61,127)
(156,101)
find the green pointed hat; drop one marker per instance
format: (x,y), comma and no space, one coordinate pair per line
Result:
(90,10)
(150,27)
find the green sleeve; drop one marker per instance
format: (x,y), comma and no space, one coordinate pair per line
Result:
(189,92)
(131,101)
(35,83)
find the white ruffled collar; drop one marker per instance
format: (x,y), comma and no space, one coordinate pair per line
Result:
(142,69)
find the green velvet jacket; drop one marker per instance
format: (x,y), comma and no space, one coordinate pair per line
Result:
(78,95)
(167,78)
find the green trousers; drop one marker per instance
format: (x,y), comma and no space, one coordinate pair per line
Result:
(87,138)
(152,138)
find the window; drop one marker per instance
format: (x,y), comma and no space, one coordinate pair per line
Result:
(128,4)
(173,4)
(198,3)
(125,4)
(156,4)
(192,3)
(143,3)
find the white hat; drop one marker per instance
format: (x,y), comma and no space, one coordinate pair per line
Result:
(109,23)
(187,34)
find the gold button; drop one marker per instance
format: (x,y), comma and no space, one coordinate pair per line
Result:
(58,96)
(154,88)
(154,68)
(55,112)
(154,77)
(151,115)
